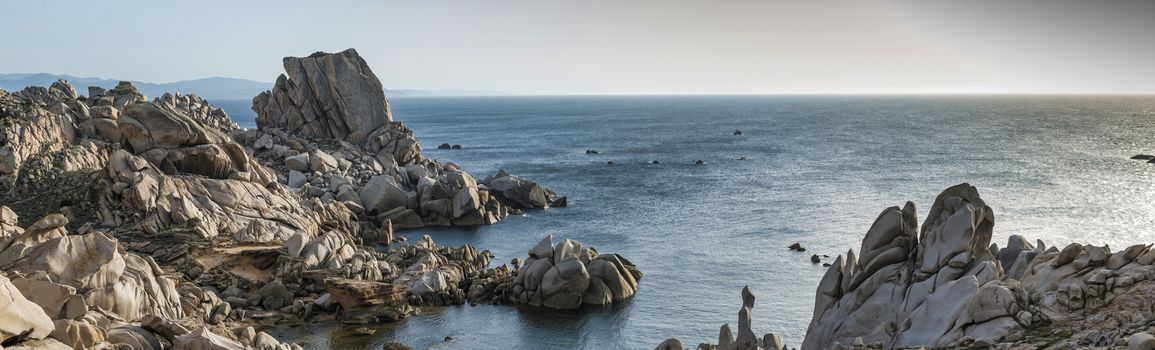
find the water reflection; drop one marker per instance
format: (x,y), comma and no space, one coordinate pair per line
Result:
(481,326)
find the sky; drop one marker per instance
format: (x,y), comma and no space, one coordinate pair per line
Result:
(609,46)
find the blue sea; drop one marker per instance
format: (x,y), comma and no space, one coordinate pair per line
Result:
(810,169)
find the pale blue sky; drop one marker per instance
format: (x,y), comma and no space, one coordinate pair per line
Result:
(614,46)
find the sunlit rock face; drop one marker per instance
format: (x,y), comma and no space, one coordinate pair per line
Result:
(935,288)
(333,96)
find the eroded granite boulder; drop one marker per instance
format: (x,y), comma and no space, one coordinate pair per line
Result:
(324,95)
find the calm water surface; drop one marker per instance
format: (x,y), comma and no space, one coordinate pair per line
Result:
(817,170)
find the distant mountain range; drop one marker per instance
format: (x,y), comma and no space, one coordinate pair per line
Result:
(215,88)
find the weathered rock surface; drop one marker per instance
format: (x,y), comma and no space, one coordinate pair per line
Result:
(19,318)
(567,276)
(334,96)
(935,288)
(86,291)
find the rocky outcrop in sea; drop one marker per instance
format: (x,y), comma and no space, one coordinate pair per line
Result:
(946,286)
(328,130)
(163,225)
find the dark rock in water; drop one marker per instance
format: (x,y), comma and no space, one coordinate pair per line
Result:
(591,151)
(825,264)
(560,202)
(741,158)
(747,297)
(737,132)
(364,331)
(444,146)
(814,259)
(655,162)
(448,338)
(610,162)
(699,162)
(395,346)
(1152,160)
(519,193)
(456,146)
(1143,156)
(797,247)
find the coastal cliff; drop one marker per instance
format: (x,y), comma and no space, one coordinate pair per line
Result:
(160,224)
(945,286)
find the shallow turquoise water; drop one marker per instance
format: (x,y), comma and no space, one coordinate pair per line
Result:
(818,170)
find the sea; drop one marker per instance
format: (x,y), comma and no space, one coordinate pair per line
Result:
(816,170)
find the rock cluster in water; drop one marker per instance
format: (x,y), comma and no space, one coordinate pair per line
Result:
(946,286)
(162,225)
(565,275)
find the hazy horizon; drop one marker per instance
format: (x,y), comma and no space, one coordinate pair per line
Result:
(836,47)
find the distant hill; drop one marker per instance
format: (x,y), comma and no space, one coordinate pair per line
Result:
(209,88)
(215,88)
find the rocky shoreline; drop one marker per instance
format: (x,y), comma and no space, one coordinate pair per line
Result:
(946,286)
(160,224)
(135,224)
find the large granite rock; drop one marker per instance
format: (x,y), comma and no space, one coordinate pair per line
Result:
(176,142)
(19,318)
(518,192)
(368,301)
(125,284)
(333,96)
(934,289)
(329,120)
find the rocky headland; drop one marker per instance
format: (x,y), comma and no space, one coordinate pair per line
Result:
(135,224)
(946,286)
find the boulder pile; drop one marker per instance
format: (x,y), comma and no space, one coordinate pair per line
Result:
(565,275)
(327,127)
(85,291)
